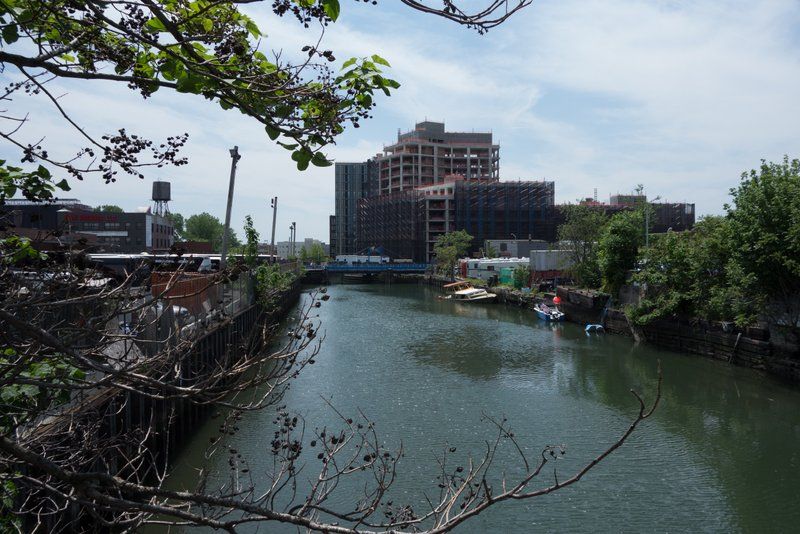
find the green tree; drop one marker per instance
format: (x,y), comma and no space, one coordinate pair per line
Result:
(109,208)
(251,243)
(765,237)
(691,274)
(522,276)
(579,234)
(303,254)
(618,248)
(449,248)
(315,253)
(206,227)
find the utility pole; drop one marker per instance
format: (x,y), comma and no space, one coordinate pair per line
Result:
(274,204)
(294,238)
(235,157)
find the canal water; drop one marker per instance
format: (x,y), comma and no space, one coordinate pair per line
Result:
(721,454)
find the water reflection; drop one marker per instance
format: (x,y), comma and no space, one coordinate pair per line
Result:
(720,454)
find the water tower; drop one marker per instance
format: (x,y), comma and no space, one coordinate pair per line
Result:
(161,198)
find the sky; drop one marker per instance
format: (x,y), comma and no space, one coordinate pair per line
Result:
(679,96)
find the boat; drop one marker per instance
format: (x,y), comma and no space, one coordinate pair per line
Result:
(465,292)
(546,313)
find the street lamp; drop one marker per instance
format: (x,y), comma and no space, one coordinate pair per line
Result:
(273,203)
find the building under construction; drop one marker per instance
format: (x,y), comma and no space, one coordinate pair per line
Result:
(428,155)
(504,210)
(394,223)
(406,224)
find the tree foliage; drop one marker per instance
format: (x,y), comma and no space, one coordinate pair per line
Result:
(206,227)
(693,274)
(203,47)
(449,248)
(314,254)
(522,276)
(178,225)
(618,248)
(250,249)
(740,267)
(208,48)
(37,185)
(579,234)
(765,235)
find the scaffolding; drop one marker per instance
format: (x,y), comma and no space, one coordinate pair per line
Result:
(503,210)
(394,222)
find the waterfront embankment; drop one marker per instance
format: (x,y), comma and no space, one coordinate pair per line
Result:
(749,347)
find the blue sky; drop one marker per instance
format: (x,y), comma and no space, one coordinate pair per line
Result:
(679,96)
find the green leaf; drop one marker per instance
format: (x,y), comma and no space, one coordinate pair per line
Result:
(319,160)
(43,172)
(154,25)
(189,83)
(10,34)
(63,185)
(332,8)
(251,27)
(378,59)
(272,132)
(349,63)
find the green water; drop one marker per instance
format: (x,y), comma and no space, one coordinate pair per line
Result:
(721,454)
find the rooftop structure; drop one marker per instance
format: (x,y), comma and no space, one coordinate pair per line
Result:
(428,154)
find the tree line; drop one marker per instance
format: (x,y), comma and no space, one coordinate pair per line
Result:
(741,266)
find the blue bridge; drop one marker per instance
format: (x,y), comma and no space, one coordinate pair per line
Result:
(369,268)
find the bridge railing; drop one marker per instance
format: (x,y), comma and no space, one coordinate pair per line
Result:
(376,267)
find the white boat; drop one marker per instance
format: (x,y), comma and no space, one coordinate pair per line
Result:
(464,292)
(472,294)
(546,313)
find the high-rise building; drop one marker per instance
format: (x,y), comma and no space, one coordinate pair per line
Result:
(428,154)
(432,182)
(354,181)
